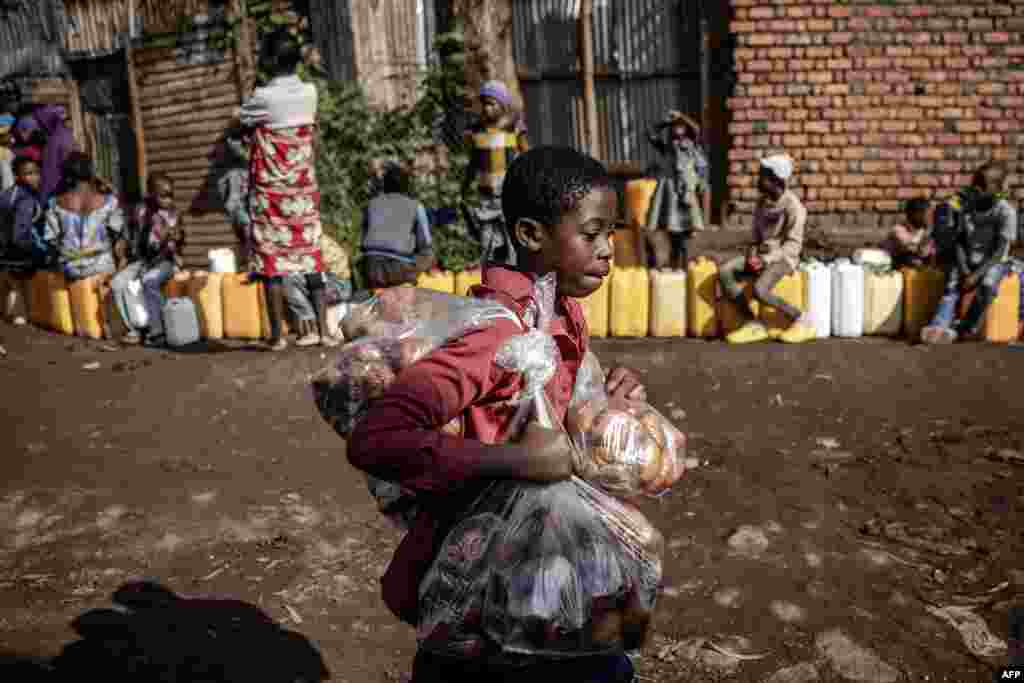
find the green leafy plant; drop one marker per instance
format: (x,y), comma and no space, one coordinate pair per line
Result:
(352,132)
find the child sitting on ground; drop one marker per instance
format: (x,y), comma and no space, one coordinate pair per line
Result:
(154,247)
(981,225)
(681,200)
(561,208)
(910,243)
(21,214)
(778,240)
(493,145)
(396,242)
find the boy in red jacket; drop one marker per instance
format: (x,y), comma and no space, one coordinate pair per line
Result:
(561,211)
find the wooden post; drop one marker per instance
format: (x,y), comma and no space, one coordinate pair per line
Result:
(586,33)
(77,120)
(244,61)
(135,95)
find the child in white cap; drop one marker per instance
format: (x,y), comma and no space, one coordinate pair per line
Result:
(779,220)
(493,145)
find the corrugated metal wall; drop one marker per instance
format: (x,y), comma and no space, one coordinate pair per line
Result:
(331,21)
(382,45)
(30,39)
(95,27)
(647,60)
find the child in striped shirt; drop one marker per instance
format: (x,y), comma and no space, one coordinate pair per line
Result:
(494,143)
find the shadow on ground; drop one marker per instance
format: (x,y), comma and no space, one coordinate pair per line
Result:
(151,634)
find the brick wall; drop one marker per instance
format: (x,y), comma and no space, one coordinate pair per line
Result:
(877,101)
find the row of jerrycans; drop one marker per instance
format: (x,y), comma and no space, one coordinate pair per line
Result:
(227,304)
(842,299)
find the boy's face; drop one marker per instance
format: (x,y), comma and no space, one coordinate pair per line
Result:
(163,195)
(491,109)
(991,181)
(768,185)
(29,175)
(579,247)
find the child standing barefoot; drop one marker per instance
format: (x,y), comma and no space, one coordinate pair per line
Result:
(680,204)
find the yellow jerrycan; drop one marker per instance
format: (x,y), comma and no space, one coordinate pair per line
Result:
(87,311)
(437,280)
(701,302)
(1000,322)
(922,289)
(466,279)
(177,286)
(638,194)
(630,302)
(243,307)
(596,309)
(668,303)
(205,291)
(883,303)
(50,302)
(791,290)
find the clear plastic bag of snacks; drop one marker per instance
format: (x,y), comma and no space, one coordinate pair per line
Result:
(554,570)
(389,332)
(625,447)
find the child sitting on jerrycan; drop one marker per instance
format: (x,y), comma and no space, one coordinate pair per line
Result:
(974,231)
(560,207)
(153,252)
(779,220)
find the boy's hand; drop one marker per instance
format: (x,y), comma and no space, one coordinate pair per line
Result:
(755,263)
(970,282)
(625,384)
(549,453)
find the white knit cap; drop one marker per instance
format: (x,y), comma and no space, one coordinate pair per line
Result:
(780,165)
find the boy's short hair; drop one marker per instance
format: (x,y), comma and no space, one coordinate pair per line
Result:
(394,179)
(20,163)
(548,182)
(915,205)
(78,168)
(282,51)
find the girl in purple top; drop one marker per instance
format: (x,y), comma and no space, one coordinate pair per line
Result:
(60,142)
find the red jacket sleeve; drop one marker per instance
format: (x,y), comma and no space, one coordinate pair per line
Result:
(399,439)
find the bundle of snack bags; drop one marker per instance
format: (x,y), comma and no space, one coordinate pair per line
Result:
(559,569)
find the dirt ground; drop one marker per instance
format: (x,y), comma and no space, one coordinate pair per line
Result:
(845,488)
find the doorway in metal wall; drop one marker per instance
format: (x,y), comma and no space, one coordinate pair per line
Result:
(109,138)
(650,56)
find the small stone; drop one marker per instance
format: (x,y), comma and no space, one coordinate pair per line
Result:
(678,414)
(801,673)
(748,540)
(787,611)
(91,366)
(727,597)
(850,660)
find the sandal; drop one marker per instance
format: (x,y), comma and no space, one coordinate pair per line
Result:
(329,341)
(132,339)
(278,345)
